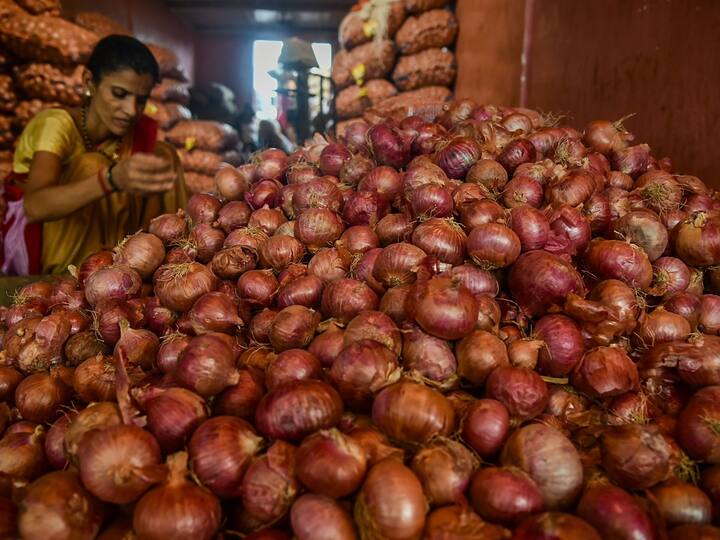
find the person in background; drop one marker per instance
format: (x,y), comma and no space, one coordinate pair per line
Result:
(246,128)
(270,136)
(83,178)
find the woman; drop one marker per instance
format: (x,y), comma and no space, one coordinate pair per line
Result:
(84,178)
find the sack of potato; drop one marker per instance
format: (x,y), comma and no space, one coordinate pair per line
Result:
(37,7)
(199,183)
(47,82)
(172,90)
(44,38)
(368,61)
(371,21)
(355,100)
(203,135)
(418,6)
(167,114)
(425,102)
(6,134)
(433,29)
(100,24)
(432,67)
(27,109)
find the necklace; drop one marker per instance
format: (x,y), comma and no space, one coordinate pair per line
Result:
(86,138)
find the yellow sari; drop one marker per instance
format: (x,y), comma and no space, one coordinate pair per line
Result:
(104,223)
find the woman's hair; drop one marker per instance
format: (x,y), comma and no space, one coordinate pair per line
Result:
(116,52)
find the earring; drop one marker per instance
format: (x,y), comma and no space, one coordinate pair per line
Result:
(88,93)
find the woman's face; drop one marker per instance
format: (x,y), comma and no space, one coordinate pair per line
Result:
(120,98)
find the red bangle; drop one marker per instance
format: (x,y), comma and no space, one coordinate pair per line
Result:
(101,179)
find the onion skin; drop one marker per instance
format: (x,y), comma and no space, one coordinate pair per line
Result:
(444,468)
(505,495)
(551,461)
(117,282)
(400,517)
(397,263)
(635,456)
(539,280)
(330,463)
(220,450)
(521,390)
(179,285)
(429,356)
(413,413)
(285,414)
(49,509)
(552,525)
(95,416)
(606,372)
(615,513)
(315,517)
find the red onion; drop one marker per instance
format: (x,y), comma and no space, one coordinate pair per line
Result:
(40,397)
(696,429)
(364,208)
(318,227)
(467,193)
(94,379)
(271,163)
(178,508)
(172,415)
(670,275)
(428,136)
(538,280)
(232,183)
(305,291)
(660,326)
(481,212)
(345,298)
(615,259)
(278,252)
(551,461)
(142,252)
(521,390)
(203,208)
(294,327)
(385,181)
(362,269)
(207,240)
(297,409)
(220,450)
(478,355)
(292,365)
(477,280)
(319,193)
(260,326)
(522,191)
(493,245)
(680,503)
(485,426)
(332,159)
(327,345)
(632,160)
(246,237)
(22,453)
(442,307)
(117,282)
(444,468)
(615,513)
(94,416)
(517,152)
(206,366)
(489,174)
(114,462)
(569,231)
(169,227)
(258,287)
(460,523)
(659,190)
(431,201)
(330,264)
(564,345)
(606,137)
(397,263)
(428,356)
(179,285)
(420,174)
(394,228)
(505,495)
(605,372)
(644,229)
(376,326)
(387,146)
(264,193)
(359,239)
(268,220)
(242,399)
(54,441)
(634,456)
(361,370)
(92,263)
(330,463)
(355,169)
(399,517)
(696,240)
(411,412)
(49,509)
(315,517)
(441,238)
(554,525)
(709,314)
(170,349)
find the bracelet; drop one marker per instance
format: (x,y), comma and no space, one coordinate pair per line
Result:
(106,190)
(110,180)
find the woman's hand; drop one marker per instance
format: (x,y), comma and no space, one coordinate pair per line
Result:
(144,174)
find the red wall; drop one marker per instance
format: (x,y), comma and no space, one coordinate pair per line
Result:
(603,59)
(148,20)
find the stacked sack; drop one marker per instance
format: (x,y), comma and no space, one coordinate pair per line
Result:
(395,59)
(203,147)
(41,58)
